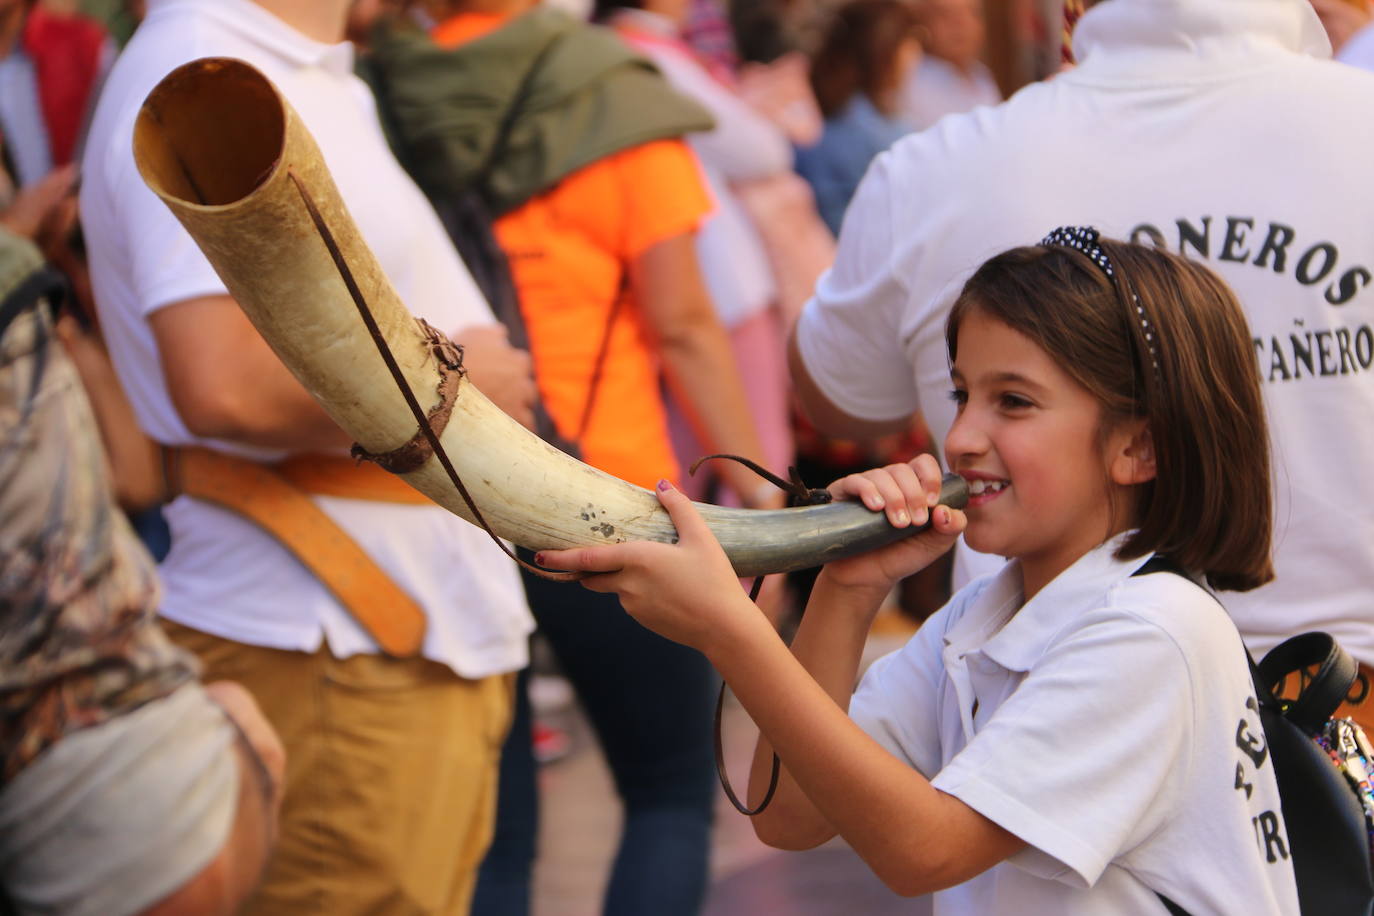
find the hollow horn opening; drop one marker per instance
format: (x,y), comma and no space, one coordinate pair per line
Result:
(210,133)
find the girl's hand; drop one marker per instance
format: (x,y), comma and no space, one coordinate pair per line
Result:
(908,494)
(686,591)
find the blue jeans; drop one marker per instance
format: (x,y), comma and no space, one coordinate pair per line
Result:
(650,702)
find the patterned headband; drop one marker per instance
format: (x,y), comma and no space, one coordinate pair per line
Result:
(1085,239)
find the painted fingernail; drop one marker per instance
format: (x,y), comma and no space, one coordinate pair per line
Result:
(664,485)
(539,558)
(942,515)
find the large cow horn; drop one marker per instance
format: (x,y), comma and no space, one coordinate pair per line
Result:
(230,157)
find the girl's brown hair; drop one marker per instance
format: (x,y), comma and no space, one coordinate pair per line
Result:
(859,53)
(1163,338)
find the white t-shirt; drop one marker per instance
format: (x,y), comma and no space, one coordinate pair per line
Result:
(1210,126)
(935,88)
(224,575)
(1099,724)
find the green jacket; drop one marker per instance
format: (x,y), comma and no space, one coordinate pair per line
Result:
(517,110)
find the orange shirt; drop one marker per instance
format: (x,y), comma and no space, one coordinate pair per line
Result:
(568,249)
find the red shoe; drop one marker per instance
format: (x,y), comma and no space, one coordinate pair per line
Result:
(550,743)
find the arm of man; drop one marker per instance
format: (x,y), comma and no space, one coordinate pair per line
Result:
(226,382)
(698,361)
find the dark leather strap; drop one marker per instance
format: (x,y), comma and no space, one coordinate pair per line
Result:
(43,283)
(1326,690)
(798,494)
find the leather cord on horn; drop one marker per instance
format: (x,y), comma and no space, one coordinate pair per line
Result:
(421,420)
(798,494)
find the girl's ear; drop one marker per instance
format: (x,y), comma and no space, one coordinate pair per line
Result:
(1132,454)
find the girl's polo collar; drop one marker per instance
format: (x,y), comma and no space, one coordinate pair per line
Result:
(1017,639)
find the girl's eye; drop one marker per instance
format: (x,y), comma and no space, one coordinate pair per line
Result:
(958,396)
(1014,402)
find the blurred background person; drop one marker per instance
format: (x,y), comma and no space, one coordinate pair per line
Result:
(124,786)
(51,67)
(744,149)
(53,61)
(952,76)
(866,58)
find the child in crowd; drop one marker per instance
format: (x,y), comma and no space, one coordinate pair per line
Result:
(1061,738)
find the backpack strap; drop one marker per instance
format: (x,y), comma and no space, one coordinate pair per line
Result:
(1324,691)
(1163,564)
(43,283)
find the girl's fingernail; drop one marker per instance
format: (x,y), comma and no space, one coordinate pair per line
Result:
(874,502)
(932,499)
(902,519)
(664,485)
(943,515)
(539,558)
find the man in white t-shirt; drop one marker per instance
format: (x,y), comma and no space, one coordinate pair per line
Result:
(1210,127)
(392,761)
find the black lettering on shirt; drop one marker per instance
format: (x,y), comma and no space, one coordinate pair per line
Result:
(1269,836)
(1250,744)
(1276,242)
(1242,782)
(1190,235)
(1236,227)
(1304,271)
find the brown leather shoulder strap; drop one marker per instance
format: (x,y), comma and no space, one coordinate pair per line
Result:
(265,498)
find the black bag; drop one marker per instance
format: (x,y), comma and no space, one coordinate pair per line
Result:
(1328,829)
(1324,811)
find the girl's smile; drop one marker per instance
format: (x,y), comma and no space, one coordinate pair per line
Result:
(983,488)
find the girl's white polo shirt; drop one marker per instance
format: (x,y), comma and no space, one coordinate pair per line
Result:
(1107,723)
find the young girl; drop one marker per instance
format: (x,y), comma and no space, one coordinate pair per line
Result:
(1066,736)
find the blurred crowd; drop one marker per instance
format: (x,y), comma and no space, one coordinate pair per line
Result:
(619,209)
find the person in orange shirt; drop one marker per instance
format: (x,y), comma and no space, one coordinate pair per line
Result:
(574,144)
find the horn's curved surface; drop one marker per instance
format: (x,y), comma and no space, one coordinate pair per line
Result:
(218,144)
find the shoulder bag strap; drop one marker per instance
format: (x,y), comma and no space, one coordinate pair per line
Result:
(1325,691)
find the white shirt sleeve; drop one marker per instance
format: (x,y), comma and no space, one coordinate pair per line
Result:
(897,700)
(1087,758)
(849,333)
(165,266)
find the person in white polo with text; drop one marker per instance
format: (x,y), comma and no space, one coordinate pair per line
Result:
(1213,128)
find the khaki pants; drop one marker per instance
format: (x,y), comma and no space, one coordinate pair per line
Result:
(390,776)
